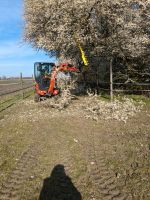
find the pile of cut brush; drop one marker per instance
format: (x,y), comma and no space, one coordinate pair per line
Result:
(93,107)
(120,110)
(59,102)
(63,100)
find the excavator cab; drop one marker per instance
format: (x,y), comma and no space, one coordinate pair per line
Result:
(41,70)
(42,74)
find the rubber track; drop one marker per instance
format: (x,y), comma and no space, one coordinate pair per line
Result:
(103,181)
(12,187)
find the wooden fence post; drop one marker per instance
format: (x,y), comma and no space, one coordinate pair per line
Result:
(111,79)
(33,77)
(21,81)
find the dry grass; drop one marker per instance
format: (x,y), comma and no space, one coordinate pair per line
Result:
(62,130)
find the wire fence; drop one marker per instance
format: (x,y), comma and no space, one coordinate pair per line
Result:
(22,84)
(17,90)
(131,88)
(17,85)
(123,88)
(11,91)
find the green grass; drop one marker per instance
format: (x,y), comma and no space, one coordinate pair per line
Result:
(104,97)
(11,100)
(136,98)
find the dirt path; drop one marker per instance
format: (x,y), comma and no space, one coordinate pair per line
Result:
(61,155)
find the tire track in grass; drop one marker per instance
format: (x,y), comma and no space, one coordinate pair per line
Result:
(12,187)
(63,187)
(60,165)
(69,191)
(103,181)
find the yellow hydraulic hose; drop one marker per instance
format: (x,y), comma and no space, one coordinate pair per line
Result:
(85,61)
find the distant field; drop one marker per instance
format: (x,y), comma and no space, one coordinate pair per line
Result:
(9,86)
(8,81)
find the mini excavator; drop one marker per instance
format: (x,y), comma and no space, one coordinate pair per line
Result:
(46,75)
(46,78)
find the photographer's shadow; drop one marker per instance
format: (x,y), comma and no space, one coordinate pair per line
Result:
(59,186)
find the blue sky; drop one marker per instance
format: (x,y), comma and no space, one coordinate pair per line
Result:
(15,55)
